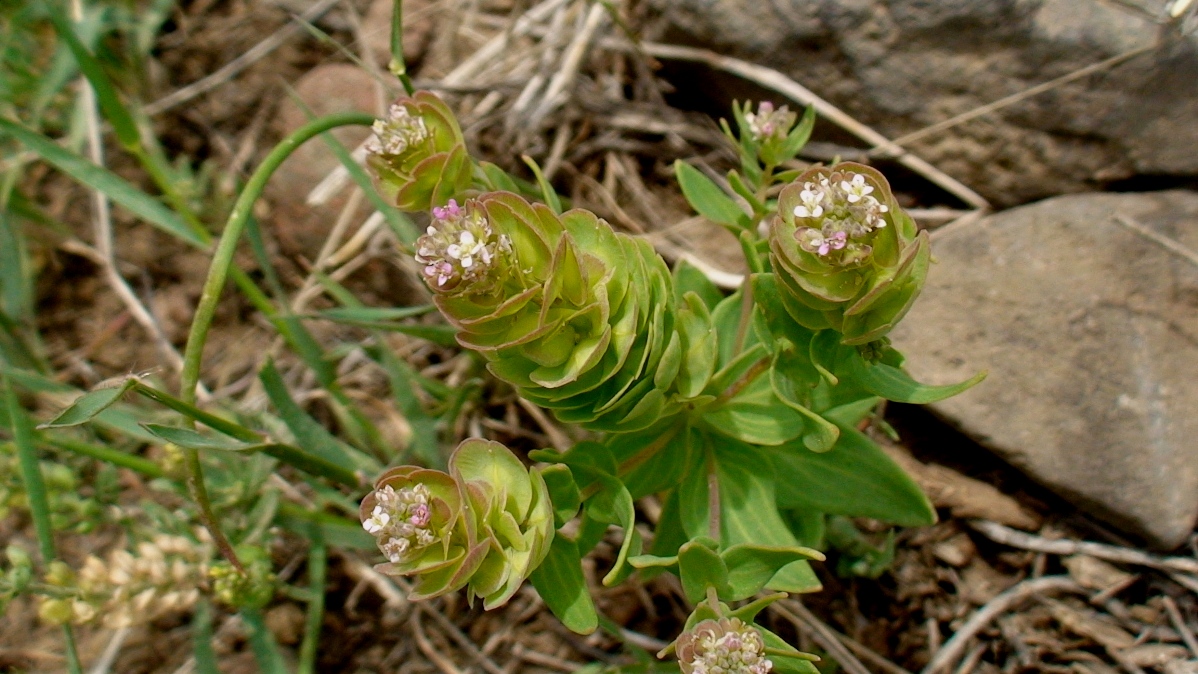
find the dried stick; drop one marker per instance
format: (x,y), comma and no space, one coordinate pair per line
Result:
(1110,553)
(250,57)
(443,663)
(1179,624)
(1170,244)
(102,228)
(806,622)
(568,70)
(773,79)
(1015,98)
(955,646)
(113,649)
(520,652)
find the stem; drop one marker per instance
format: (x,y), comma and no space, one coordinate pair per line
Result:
(713,499)
(218,273)
(317,563)
(397,65)
(746,314)
(745,379)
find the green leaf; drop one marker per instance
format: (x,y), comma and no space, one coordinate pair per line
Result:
(99,178)
(756,415)
(563,588)
(553,201)
(653,460)
(894,384)
(363,315)
(87,406)
(563,492)
(688,278)
(700,567)
(750,567)
(749,512)
(707,198)
(308,433)
(856,479)
(193,439)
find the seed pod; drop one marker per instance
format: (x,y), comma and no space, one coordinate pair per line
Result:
(846,255)
(417,153)
(577,317)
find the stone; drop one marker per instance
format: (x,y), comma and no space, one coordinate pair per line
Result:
(324,90)
(1089,333)
(903,65)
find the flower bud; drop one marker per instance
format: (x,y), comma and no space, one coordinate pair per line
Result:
(724,646)
(769,130)
(418,154)
(847,256)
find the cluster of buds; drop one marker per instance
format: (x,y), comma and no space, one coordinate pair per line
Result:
(575,316)
(769,134)
(418,154)
(485,525)
(162,578)
(849,258)
(724,646)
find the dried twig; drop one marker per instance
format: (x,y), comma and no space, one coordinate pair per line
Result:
(1169,244)
(805,621)
(955,646)
(1110,553)
(439,659)
(113,649)
(544,659)
(1179,624)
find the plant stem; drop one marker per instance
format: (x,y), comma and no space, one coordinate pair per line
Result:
(218,273)
(397,65)
(317,563)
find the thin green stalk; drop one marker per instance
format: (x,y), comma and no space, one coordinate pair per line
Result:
(318,559)
(218,273)
(39,502)
(397,65)
(262,643)
(113,456)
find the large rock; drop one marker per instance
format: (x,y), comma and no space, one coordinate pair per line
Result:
(902,65)
(1089,331)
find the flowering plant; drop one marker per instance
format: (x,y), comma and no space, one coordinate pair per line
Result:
(739,412)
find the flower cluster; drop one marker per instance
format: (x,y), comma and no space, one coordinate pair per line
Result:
(126,589)
(724,646)
(843,212)
(459,247)
(417,153)
(849,258)
(769,122)
(485,526)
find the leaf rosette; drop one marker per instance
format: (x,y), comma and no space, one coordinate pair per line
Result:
(580,319)
(846,255)
(418,154)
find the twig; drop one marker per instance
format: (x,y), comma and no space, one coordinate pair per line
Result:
(446,624)
(1179,624)
(956,645)
(909,138)
(867,654)
(492,49)
(773,79)
(102,228)
(806,622)
(1171,245)
(544,659)
(443,663)
(1110,553)
(112,650)
(971,661)
(561,442)
(570,64)
(245,60)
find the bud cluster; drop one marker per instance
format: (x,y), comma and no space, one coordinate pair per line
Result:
(417,153)
(724,646)
(770,123)
(126,589)
(396,132)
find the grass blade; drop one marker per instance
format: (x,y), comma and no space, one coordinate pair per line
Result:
(317,565)
(99,178)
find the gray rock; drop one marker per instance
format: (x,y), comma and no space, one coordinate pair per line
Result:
(902,65)
(1089,332)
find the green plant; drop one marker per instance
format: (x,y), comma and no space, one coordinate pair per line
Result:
(741,413)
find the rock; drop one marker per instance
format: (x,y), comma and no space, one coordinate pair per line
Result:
(1089,331)
(902,65)
(324,90)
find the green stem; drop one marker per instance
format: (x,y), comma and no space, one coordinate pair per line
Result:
(113,456)
(317,566)
(218,273)
(397,65)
